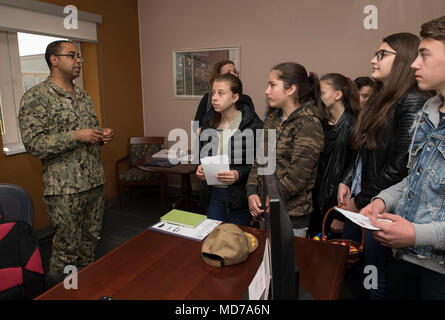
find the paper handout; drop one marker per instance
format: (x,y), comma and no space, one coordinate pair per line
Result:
(360,219)
(198,233)
(213,165)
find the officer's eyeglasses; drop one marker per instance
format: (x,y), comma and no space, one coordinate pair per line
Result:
(72,55)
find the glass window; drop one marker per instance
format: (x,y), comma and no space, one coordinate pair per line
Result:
(25,68)
(32,58)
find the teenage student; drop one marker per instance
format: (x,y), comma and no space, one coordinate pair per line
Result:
(340,97)
(417,230)
(228,125)
(382,138)
(365,85)
(294,111)
(205,105)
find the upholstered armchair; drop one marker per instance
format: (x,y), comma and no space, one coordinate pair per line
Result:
(128,175)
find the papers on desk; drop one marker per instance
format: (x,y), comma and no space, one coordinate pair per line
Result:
(178,156)
(213,165)
(360,219)
(163,154)
(197,234)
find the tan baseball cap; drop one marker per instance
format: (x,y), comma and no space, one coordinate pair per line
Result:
(227,245)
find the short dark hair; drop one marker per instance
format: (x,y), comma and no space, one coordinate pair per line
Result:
(363,82)
(434,29)
(52,49)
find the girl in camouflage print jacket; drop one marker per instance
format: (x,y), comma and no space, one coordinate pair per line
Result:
(293,96)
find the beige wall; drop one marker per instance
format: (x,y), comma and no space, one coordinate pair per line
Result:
(325,36)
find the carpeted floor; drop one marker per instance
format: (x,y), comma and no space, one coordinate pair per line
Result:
(137,213)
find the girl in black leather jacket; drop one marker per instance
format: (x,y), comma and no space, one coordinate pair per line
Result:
(340,97)
(381,133)
(381,136)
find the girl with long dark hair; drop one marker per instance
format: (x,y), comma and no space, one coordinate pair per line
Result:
(381,136)
(293,95)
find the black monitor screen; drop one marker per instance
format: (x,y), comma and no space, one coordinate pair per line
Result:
(279,232)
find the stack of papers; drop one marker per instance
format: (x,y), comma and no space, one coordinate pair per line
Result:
(213,165)
(183,218)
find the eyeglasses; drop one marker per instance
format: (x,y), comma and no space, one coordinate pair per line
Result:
(382,53)
(72,55)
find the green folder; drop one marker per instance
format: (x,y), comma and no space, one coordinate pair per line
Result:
(183,218)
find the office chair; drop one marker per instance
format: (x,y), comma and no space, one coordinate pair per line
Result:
(20,249)
(16,204)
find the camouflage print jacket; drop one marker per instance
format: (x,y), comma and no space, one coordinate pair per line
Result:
(299,142)
(48,117)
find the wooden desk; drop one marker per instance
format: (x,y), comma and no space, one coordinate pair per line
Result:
(158,266)
(186,202)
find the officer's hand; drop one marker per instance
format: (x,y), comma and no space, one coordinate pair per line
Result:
(89,136)
(108,135)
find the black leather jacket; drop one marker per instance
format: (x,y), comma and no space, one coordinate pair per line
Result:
(237,191)
(387,165)
(334,161)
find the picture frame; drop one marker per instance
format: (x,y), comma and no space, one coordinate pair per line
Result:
(192,68)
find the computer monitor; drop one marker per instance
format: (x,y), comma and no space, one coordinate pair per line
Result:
(279,232)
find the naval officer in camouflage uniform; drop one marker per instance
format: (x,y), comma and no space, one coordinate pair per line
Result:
(59,126)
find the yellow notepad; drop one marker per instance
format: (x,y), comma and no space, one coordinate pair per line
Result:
(183,218)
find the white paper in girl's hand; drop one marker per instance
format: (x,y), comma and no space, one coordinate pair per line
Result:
(213,165)
(359,219)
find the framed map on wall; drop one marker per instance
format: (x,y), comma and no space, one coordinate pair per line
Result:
(191,69)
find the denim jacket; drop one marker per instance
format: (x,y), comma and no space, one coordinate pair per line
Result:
(419,198)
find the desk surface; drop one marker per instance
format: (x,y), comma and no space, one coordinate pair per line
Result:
(153,265)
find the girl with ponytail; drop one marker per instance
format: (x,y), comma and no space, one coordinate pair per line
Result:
(340,98)
(295,113)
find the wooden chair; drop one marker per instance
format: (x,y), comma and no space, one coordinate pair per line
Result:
(322,267)
(138,149)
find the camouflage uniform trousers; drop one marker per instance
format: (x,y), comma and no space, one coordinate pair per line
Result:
(77,219)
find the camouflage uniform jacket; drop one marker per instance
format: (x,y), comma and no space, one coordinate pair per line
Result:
(48,117)
(299,142)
